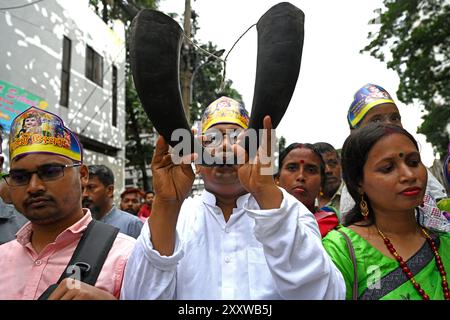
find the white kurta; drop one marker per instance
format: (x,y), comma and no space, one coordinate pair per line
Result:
(257,254)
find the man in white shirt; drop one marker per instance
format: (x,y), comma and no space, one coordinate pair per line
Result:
(243,238)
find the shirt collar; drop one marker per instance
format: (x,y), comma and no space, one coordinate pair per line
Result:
(110,215)
(113,209)
(338,191)
(210,199)
(24,234)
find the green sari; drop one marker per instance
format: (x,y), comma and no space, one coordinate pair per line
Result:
(380,277)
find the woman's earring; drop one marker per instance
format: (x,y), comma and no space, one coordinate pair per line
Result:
(364,208)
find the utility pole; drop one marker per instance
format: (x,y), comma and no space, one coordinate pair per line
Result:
(186,68)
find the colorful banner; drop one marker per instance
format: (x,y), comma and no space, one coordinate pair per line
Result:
(14,101)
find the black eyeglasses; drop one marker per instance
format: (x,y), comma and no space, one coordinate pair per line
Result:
(46,172)
(214,138)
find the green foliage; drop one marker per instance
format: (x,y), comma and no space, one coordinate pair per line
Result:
(110,10)
(417,34)
(137,124)
(207,81)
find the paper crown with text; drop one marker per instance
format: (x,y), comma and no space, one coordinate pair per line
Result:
(366,98)
(225,110)
(39,131)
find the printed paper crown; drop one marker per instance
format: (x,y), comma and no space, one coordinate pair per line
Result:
(369,96)
(39,131)
(225,110)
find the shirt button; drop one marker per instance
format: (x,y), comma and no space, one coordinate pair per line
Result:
(38,262)
(227,259)
(227,230)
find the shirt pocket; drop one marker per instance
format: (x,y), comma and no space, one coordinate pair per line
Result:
(261,285)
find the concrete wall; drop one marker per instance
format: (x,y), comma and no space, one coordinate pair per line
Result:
(30,58)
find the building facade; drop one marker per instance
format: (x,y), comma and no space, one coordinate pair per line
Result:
(60,56)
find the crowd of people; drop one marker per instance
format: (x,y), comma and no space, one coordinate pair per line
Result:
(366,222)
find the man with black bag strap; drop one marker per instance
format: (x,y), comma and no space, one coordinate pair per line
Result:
(87,260)
(61,241)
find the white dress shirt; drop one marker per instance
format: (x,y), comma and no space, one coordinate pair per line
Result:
(256,254)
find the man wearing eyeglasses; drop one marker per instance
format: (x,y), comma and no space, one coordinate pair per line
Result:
(243,238)
(45,178)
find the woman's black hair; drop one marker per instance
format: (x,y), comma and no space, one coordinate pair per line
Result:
(354,156)
(310,146)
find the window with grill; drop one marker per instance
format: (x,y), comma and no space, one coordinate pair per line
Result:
(114,96)
(94,66)
(65,72)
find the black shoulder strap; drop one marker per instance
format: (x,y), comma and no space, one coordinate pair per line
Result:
(353,257)
(89,256)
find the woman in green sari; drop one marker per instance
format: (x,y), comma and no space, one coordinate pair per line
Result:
(395,257)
